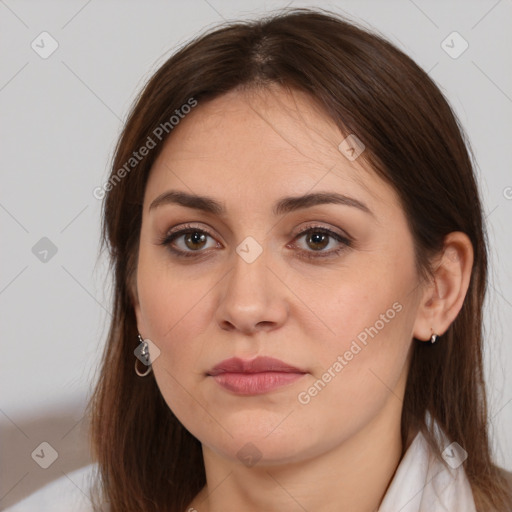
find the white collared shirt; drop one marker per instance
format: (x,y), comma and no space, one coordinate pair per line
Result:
(422,483)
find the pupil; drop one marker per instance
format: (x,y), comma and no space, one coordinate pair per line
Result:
(318,238)
(196,237)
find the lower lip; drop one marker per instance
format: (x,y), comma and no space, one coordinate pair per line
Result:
(255,383)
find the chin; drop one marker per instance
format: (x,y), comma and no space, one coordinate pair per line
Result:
(249,447)
(251,451)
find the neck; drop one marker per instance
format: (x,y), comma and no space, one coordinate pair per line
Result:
(353,475)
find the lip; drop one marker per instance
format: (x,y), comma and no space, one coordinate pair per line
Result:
(258,365)
(256,376)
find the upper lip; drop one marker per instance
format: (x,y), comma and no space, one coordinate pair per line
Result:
(257,365)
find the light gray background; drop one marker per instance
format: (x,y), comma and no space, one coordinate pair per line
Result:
(60,120)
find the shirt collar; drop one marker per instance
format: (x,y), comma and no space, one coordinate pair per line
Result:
(422,483)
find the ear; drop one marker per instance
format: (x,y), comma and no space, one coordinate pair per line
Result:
(443,297)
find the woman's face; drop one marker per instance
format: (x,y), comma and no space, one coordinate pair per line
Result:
(327,287)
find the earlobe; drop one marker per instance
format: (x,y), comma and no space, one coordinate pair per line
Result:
(443,298)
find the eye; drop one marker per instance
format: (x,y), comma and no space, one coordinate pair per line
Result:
(193,241)
(318,238)
(190,241)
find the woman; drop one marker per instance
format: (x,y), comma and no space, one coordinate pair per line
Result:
(300,266)
(295,189)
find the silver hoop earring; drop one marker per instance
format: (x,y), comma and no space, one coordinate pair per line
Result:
(434,337)
(143,357)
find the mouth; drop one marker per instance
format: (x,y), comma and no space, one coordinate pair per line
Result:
(257,376)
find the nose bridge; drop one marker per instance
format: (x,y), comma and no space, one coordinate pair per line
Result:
(249,281)
(251,297)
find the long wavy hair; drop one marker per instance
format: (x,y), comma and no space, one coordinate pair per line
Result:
(147,461)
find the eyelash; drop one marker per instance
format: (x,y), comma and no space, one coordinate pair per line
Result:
(188,229)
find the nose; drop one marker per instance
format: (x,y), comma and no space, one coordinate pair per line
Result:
(252,297)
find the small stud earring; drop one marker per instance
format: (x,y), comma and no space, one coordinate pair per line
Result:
(434,337)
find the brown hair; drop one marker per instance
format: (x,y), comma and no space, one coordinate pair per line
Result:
(147,460)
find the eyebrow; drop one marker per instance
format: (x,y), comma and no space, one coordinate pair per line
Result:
(282,206)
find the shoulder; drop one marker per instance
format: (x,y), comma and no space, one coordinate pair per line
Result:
(69,492)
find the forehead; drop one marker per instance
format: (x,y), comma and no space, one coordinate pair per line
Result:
(256,145)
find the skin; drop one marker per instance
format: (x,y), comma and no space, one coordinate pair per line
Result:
(340,450)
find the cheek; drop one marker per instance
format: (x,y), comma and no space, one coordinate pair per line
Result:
(359,305)
(360,369)
(368,317)
(167,299)
(369,348)
(176,311)
(175,315)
